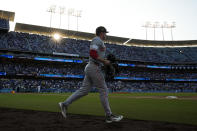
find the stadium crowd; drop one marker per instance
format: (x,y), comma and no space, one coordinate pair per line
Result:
(4,24)
(78,69)
(44,44)
(33,85)
(126,86)
(35,68)
(59,86)
(157,74)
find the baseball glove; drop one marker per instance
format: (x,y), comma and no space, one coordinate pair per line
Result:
(112,69)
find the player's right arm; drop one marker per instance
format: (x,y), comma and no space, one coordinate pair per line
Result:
(94,55)
(94,48)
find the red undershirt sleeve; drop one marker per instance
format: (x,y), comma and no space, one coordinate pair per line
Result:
(94,54)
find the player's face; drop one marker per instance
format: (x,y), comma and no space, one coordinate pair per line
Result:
(103,36)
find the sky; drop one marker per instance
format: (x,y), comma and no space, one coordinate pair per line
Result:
(122,18)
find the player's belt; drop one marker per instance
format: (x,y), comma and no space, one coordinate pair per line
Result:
(96,63)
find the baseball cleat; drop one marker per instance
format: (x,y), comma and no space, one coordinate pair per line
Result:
(113,118)
(63,109)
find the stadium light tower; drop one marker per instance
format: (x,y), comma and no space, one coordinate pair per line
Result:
(158,25)
(146,25)
(70,13)
(77,15)
(51,10)
(155,25)
(61,11)
(163,26)
(172,26)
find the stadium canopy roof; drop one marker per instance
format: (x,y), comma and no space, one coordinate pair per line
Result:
(153,43)
(42,30)
(7,15)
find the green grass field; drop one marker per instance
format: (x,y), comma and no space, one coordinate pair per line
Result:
(157,109)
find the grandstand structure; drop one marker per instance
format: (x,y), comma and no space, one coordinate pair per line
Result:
(8,15)
(31,59)
(5,17)
(41,30)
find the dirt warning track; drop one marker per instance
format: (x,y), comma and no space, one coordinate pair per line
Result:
(29,120)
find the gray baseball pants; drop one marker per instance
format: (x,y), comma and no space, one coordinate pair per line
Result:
(93,77)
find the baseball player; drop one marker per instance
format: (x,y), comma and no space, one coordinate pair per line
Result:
(94,77)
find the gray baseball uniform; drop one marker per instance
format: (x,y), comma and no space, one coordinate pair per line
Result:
(93,77)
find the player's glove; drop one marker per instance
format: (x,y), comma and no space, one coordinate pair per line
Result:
(112,69)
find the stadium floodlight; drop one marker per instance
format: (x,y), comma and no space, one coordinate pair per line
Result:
(51,9)
(56,36)
(172,25)
(158,25)
(147,25)
(155,25)
(61,12)
(162,26)
(165,24)
(77,15)
(70,13)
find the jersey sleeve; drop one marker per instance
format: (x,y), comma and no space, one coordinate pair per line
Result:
(97,48)
(94,49)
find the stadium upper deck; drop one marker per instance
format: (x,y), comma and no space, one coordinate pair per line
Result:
(7,15)
(35,29)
